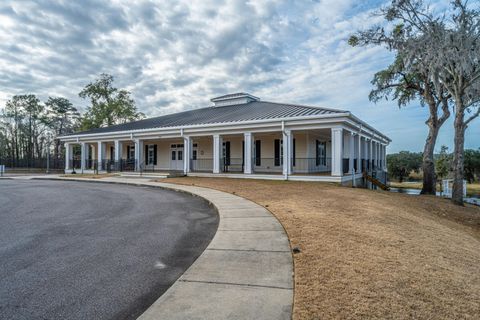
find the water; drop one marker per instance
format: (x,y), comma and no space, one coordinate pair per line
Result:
(471,199)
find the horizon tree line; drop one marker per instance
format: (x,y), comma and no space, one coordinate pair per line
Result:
(29,128)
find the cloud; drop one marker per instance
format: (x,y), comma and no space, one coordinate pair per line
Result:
(176,55)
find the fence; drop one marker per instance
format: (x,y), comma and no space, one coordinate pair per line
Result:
(32,165)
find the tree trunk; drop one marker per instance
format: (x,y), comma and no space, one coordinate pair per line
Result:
(457,190)
(428,165)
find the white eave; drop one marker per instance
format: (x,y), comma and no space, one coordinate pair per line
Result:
(341,118)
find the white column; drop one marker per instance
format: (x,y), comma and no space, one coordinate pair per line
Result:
(385,158)
(68,154)
(247,138)
(101,154)
(370,157)
(359,154)
(380,155)
(377,154)
(187,150)
(83,155)
(351,145)
(287,152)
(337,151)
(217,152)
(138,154)
(118,151)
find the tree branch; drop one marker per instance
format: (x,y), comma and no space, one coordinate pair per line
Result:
(476,114)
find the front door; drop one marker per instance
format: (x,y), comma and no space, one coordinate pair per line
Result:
(176,157)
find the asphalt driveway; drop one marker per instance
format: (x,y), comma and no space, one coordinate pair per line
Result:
(74,250)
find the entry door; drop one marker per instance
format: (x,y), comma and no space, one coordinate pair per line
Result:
(176,157)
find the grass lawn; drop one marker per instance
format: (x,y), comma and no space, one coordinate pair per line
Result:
(372,254)
(473,189)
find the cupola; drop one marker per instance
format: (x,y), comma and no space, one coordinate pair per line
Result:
(233,99)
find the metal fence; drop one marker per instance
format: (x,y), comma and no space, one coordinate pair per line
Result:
(38,164)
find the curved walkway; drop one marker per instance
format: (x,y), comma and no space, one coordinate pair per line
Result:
(245,273)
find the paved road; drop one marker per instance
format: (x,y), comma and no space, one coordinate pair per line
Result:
(73,250)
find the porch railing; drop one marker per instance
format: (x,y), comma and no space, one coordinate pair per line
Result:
(312,165)
(91,164)
(201,165)
(232,164)
(267,165)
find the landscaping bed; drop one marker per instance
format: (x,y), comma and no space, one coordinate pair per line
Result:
(371,254)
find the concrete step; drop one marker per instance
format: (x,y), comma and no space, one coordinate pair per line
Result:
(151,175)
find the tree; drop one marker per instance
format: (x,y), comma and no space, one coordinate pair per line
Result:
(447,49)
(454,58)
(472,165)
(401,164)
(405,79)
(109,105)
(443,163)
(63,118)
(24,127)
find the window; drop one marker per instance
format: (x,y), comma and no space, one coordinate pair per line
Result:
(131,152)
(174,155)
(258,149)
(180,154)
(278,146)
(226,153)
(321,153)
(194,151)
(151,154)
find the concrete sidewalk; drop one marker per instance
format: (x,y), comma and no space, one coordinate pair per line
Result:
(246,272)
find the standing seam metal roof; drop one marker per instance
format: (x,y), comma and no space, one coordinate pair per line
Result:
(255,110)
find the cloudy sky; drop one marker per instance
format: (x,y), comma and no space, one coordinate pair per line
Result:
(176,55)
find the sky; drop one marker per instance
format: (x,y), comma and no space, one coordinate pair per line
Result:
(177,55)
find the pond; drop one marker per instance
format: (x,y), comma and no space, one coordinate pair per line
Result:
(470,199)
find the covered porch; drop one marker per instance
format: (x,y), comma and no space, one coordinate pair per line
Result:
(333,154)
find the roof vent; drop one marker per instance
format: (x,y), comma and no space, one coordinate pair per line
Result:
(233,99)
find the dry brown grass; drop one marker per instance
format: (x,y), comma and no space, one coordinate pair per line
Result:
(372,254)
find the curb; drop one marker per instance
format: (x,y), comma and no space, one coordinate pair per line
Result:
(246,272)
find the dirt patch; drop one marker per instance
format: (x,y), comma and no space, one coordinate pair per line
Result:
(372,254)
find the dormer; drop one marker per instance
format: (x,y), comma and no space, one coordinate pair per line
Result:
(233,99)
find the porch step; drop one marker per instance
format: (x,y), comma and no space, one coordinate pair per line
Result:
(151,175)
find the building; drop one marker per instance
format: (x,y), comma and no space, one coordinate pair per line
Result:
(239,136)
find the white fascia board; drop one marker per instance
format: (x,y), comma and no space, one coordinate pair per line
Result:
(373,131)
(366,132)
(200,127)
(237,127)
